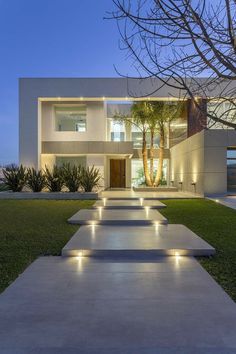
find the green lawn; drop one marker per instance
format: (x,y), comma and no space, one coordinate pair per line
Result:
(30,228)
(216,224)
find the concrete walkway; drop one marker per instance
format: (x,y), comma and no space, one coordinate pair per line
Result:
(71,305)
(229,201)
(131,194)
(132,241)
(117,217)
(113,304)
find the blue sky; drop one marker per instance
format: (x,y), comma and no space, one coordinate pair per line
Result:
(51,38)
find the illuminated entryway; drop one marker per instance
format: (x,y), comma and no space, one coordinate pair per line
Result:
(117,173)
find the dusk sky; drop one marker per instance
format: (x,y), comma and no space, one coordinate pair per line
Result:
(51,38)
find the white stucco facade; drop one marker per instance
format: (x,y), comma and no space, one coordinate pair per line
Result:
(197,164)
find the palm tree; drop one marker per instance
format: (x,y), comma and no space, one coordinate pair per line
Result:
(141,113)
(152,117)
(163,113)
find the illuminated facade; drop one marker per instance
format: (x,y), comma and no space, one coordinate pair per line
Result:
(72,120)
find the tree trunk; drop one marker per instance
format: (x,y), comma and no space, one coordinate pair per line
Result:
(161,158)
(145,161)
(152,157)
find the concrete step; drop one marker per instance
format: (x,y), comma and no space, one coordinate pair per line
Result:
(139,242)
(102,216)
(129,204)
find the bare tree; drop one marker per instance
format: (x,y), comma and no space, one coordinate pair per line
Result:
(180,42)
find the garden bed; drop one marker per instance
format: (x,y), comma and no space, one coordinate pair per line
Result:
(155,189)
(49,195)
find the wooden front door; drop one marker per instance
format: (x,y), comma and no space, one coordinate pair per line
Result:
(117,173)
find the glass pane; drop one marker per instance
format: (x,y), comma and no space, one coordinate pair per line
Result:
(117,131)
(225,110)
(231,175)
(231,153)
(137,139)
(70,118)
(137,173)
(114,109)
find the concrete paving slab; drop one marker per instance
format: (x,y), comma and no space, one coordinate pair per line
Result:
(177,310)
(132,241)
(131,194)
(129,204)
(229,201)
(102,216)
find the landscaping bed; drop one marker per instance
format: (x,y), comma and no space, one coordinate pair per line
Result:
(49,196)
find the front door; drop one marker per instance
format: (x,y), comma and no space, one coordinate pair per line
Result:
(117,173)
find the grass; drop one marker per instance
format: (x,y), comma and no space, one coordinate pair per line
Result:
(216,224)
(30,228)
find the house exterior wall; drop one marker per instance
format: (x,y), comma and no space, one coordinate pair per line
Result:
(202,159)
(95,117)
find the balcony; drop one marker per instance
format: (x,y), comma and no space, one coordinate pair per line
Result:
(87,147)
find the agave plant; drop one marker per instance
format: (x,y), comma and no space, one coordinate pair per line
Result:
(72,177)
(35,180)
(90,178)
(54,178)
(15,177)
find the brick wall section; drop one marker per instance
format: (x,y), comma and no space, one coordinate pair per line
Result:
(197,118)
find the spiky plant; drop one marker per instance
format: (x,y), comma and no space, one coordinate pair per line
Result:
(15,177)
(72,177)
(35,180)
(54,178)
(90,178)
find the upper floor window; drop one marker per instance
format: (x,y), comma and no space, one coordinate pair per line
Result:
(70,118)
(117,131)
(224,110)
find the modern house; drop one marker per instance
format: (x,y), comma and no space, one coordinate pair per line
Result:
(72,120)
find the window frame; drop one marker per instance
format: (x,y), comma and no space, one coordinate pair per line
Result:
(68,105)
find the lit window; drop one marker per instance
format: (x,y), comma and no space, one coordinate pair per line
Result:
(117,130)
(70,118)
(225,110)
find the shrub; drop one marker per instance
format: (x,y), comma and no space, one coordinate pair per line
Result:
(72,177)
(15,177)
(54,178)
(35,180)
(90,178)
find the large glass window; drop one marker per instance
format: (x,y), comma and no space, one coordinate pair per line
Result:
(231,170)
(117,131)
(118,108)
(70,118)
(137,138)
(137,173)
(224,110)
(72,160)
